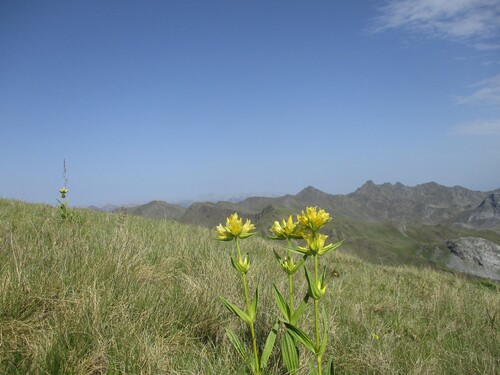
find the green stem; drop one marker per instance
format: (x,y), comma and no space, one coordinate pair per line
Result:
(290,280)
(247,301)
(316,314)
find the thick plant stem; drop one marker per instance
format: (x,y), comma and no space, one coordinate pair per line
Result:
(247,301)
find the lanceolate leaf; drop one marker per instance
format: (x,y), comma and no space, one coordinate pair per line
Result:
(236,310)
(312,368)
(237,344)
(278,258)
(330,369)
(253,307)
(281,303)
(300,250)
(268,347)
(235,264)
(298,312)
(289,353)
(331,247)
(325,334)
(298,265)
(301,336)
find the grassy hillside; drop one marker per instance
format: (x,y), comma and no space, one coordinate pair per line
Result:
(109,293)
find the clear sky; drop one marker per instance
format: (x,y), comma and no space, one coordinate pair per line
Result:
(182,99)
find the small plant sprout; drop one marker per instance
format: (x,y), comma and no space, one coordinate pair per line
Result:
(234,231)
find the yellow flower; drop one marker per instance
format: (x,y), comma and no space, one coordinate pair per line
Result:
(313,218)
(375,336)
(234,228)
(63,191)
(288,229)
(315,242)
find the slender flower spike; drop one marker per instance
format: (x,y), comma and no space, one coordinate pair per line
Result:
(234,228)
(288,229)
(314,219)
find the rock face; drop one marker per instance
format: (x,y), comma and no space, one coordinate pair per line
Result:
(489,208)
(476,256)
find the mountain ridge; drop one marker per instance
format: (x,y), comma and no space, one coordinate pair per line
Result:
(427,203)
(382,223)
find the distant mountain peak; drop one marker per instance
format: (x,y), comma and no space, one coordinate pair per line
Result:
(368,183)
(490,201)
(310,192)
(368,186)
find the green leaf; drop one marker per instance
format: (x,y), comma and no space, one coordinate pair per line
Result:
(301,336)
(281,303)
(278,258)
(298,312)
(324,341)
(237,311)
(289,353)
(298,265)
(268,347)
(330,247)
(253,307)
(280,261)
(246,235)
(330,369)
(312,368)
(275,238)
(314,292)
(237,344)
(223,239)
(235,264)
(299,250)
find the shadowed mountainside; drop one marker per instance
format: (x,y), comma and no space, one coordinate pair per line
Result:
(154,210)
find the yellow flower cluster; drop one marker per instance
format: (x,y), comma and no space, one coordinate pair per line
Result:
(288,229)
(234,228)
(313,218)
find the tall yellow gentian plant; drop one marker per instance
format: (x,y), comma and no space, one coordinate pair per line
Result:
(287,230)
(234,231)
(311,221)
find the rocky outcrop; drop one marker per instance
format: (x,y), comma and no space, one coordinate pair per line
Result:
(489,208)
(428,203)
(475,256)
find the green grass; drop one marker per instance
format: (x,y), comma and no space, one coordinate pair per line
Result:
(107,293)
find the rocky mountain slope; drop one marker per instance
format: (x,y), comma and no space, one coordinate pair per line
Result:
(388,223)
(155,210)
(474,255)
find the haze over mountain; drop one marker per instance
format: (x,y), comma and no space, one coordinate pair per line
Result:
(389,223)
(428,203)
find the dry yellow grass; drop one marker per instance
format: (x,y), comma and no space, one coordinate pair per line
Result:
(110,293)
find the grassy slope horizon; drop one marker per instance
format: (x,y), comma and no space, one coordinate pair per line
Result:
(386,241)
(121,294)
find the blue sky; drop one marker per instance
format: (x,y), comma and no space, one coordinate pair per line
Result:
(189,99)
